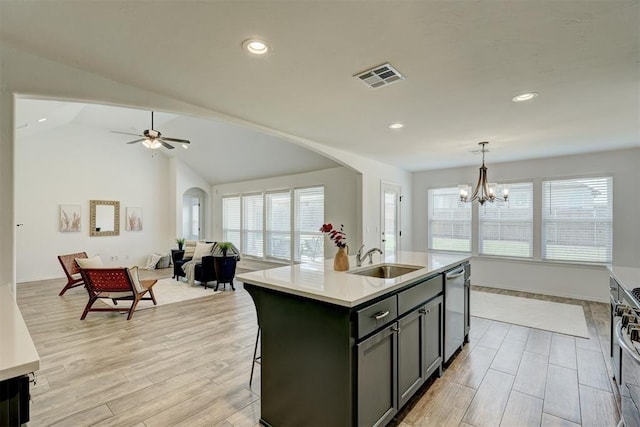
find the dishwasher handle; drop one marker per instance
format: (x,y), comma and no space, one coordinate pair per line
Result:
(452,275)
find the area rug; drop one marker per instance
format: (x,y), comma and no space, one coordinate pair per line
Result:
(551,316)
(168,291)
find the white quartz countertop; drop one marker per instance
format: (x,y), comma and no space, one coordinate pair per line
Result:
(18,355)
(320,282)
(629,277)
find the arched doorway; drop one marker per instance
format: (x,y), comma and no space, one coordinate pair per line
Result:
(193,223)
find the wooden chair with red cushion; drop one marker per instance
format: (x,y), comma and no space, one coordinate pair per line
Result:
(116,284)
(71,270)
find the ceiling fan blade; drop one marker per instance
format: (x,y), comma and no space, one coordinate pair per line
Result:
(136,140)
(165,144)
(126,133)
(181,141)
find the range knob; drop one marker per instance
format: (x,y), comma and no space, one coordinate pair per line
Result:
(621,309)
(628,318)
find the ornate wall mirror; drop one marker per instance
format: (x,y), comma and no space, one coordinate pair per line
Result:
(105,218)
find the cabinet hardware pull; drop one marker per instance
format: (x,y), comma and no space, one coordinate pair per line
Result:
(429,311)
(380,315)
(395,329)
(422,311)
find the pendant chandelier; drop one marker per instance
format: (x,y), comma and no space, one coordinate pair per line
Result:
(484,190)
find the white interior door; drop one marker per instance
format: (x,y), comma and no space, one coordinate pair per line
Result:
(390,218)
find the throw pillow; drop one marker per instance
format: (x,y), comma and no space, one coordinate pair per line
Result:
(133,275)
(94,262)
(152,261)
(189,249)
(202,249)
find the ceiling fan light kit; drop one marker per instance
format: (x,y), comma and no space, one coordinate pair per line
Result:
(153,139)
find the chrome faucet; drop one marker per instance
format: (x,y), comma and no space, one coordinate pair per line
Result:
(369,253)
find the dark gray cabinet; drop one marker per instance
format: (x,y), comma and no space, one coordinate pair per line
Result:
(433,341)
(467,302)
(377,377)
(411,354)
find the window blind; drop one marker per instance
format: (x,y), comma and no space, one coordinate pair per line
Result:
(253,225)
(449,220)
(506,229)
(231,220)
(278,225)
(309,217)
(577,219)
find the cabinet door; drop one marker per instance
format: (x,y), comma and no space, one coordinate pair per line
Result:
(433,332)
(410,354)
(467,310)
(378,378)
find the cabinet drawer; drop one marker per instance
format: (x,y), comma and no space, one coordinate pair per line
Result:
(377,315)
(418,294)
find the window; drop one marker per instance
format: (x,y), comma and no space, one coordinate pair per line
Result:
(449,220)
(264,230)
(252,225)
(577,219)
(231,220)
(309,217)
(506,229)
(278,231)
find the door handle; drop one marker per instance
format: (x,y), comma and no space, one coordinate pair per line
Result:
(381,315)
(455,276)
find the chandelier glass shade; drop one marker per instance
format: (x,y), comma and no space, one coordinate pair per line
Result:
(484,190)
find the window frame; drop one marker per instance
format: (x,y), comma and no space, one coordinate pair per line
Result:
(500,205)
(544,220)
(461,221)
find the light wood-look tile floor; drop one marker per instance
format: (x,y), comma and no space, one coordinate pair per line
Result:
(188,364)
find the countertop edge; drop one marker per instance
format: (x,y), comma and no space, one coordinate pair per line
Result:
(626,281)
(14,330)
(412,277)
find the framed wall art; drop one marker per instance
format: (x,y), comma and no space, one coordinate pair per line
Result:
(70,218)
(134,219)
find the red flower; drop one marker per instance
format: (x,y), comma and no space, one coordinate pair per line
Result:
(338,236)
(326,228)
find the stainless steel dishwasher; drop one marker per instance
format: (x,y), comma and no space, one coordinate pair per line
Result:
(453,311)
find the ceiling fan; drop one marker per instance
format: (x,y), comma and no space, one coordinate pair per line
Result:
(153,139)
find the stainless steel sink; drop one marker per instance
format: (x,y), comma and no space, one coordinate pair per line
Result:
(386,271)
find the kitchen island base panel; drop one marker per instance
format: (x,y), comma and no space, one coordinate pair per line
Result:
(306,361)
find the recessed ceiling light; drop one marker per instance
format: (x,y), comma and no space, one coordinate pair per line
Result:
(396,126)
(44,119)
(255,46)
(527,96)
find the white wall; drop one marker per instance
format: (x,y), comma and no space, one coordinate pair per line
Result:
(71,165)
(570,280)
(341,199)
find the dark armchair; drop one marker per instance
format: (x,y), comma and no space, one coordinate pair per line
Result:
(205,272)
(176,257)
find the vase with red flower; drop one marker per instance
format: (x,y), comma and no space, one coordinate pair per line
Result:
(339,237)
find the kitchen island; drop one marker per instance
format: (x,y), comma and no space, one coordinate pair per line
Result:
(344,349)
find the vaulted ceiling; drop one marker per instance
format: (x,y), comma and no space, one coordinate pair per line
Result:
(463,62)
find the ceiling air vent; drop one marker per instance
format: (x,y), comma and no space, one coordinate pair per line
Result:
(382,75)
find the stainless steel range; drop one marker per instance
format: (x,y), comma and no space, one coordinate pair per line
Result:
(625,340)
